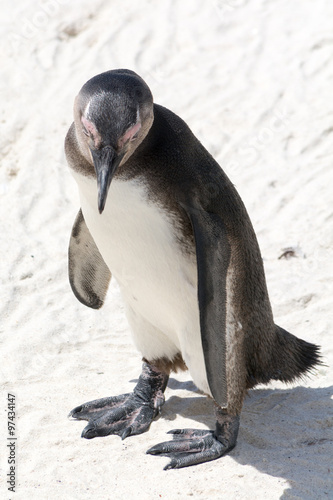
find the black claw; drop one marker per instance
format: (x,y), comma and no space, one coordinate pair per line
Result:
(153,450)
(74,411)
(169,466)
(127,432)
(89,432)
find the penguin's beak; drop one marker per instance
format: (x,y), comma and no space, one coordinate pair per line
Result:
(106,162)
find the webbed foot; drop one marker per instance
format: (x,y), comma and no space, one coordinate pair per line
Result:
(127,414)
(195,446)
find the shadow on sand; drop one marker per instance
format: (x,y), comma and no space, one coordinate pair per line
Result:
(285,433)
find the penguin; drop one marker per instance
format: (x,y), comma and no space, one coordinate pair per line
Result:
(160,215)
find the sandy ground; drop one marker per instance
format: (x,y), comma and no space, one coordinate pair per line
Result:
(253,79)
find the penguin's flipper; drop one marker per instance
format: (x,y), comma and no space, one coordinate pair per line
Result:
(213,255)
(89,276)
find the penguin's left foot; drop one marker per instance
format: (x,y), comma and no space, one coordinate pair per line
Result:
(127,414)
(195,446)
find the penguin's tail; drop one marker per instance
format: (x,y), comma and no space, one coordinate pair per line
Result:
(298,357)
(290,358)
(293,357)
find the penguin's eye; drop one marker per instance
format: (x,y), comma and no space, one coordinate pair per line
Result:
(89,129)
(130,135)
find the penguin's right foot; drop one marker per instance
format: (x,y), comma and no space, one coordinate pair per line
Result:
(127,414)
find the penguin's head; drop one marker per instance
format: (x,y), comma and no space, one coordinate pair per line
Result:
(113,114)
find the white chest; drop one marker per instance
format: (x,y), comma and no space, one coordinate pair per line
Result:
(138,243)
(158,281)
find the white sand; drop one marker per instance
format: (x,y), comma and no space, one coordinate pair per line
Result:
(253,79)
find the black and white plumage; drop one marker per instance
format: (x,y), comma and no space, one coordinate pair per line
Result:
(160,214)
